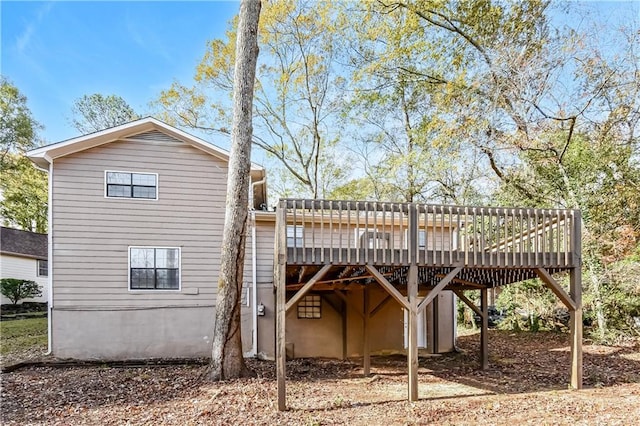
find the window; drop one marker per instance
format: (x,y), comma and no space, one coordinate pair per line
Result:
(371,238)
(43,268)
(132,185)
(310,307)
(422,239)
(295,236)
(154,268)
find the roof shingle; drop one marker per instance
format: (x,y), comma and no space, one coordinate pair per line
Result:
(23,243)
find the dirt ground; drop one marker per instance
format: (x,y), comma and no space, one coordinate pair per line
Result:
(525,384)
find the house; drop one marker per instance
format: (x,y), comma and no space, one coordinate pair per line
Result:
(23,255)
(135,228)
(135,217)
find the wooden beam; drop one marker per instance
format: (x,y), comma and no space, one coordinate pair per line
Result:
(463,282)
(280,280)
(330,303)
(302,272)
(412,355)
(575,288)
(305,289)
(438,288)
(484,329)
(297,286)
(366,355)
(556,288)
(468,302)
(348,301)
(388,287)
(380,305)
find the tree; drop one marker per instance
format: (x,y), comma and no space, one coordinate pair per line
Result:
(23,203)
(16,290)
(550,113)
(298,97)
(96,112)
(226,359)
(24,195)
(18,129)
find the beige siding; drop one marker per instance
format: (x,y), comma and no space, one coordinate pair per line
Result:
(92,233)
(348,235)
(264,242)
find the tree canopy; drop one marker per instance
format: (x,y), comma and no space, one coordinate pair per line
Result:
(92,113)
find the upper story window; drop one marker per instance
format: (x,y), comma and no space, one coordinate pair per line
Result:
(43,268)
(152,268)
(131,185)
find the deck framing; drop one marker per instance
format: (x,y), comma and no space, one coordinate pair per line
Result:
(408,248)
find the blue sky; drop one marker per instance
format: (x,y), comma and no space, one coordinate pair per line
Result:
(58,51)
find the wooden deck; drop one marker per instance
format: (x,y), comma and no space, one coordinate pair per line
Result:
(408,248)
(494,246)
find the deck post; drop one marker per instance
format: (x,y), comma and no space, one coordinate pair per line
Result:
(575,290)
(281,302)
(344,329)
(366,356)
(412,284)
(484,329)
(412,292)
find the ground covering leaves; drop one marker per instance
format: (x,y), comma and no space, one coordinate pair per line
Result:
(526,384)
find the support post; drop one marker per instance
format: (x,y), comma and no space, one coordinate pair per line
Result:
(281,302)
(344,329)
(484,329)
(366,356)
(575,290)
(436,325)
(412,284)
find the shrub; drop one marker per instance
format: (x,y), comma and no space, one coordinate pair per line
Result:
(15,289)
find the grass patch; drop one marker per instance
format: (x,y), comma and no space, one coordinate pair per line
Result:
(22,335)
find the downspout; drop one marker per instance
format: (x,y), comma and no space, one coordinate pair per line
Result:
(254,286)
(254,272)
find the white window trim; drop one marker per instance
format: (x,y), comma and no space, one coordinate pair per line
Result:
(156,290)
(298,235)
(131,198)
(38,274)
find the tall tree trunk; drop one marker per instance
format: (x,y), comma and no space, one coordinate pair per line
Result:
(226,358)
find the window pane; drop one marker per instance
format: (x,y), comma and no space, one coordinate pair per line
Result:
(118,191)
(422,239)
(167,278)
(295,236)
(142,278)
(143,179)
(43,268)
(142,258)
(166,258)
(119,178)
(144,192)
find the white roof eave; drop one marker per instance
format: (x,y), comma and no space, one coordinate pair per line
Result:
(44,155)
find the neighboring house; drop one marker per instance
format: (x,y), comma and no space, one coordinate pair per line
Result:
(23,255)
(136,214)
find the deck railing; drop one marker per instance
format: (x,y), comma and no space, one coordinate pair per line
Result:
(360,232)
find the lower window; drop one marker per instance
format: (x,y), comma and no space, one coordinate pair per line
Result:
(152,268)
(310,307)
